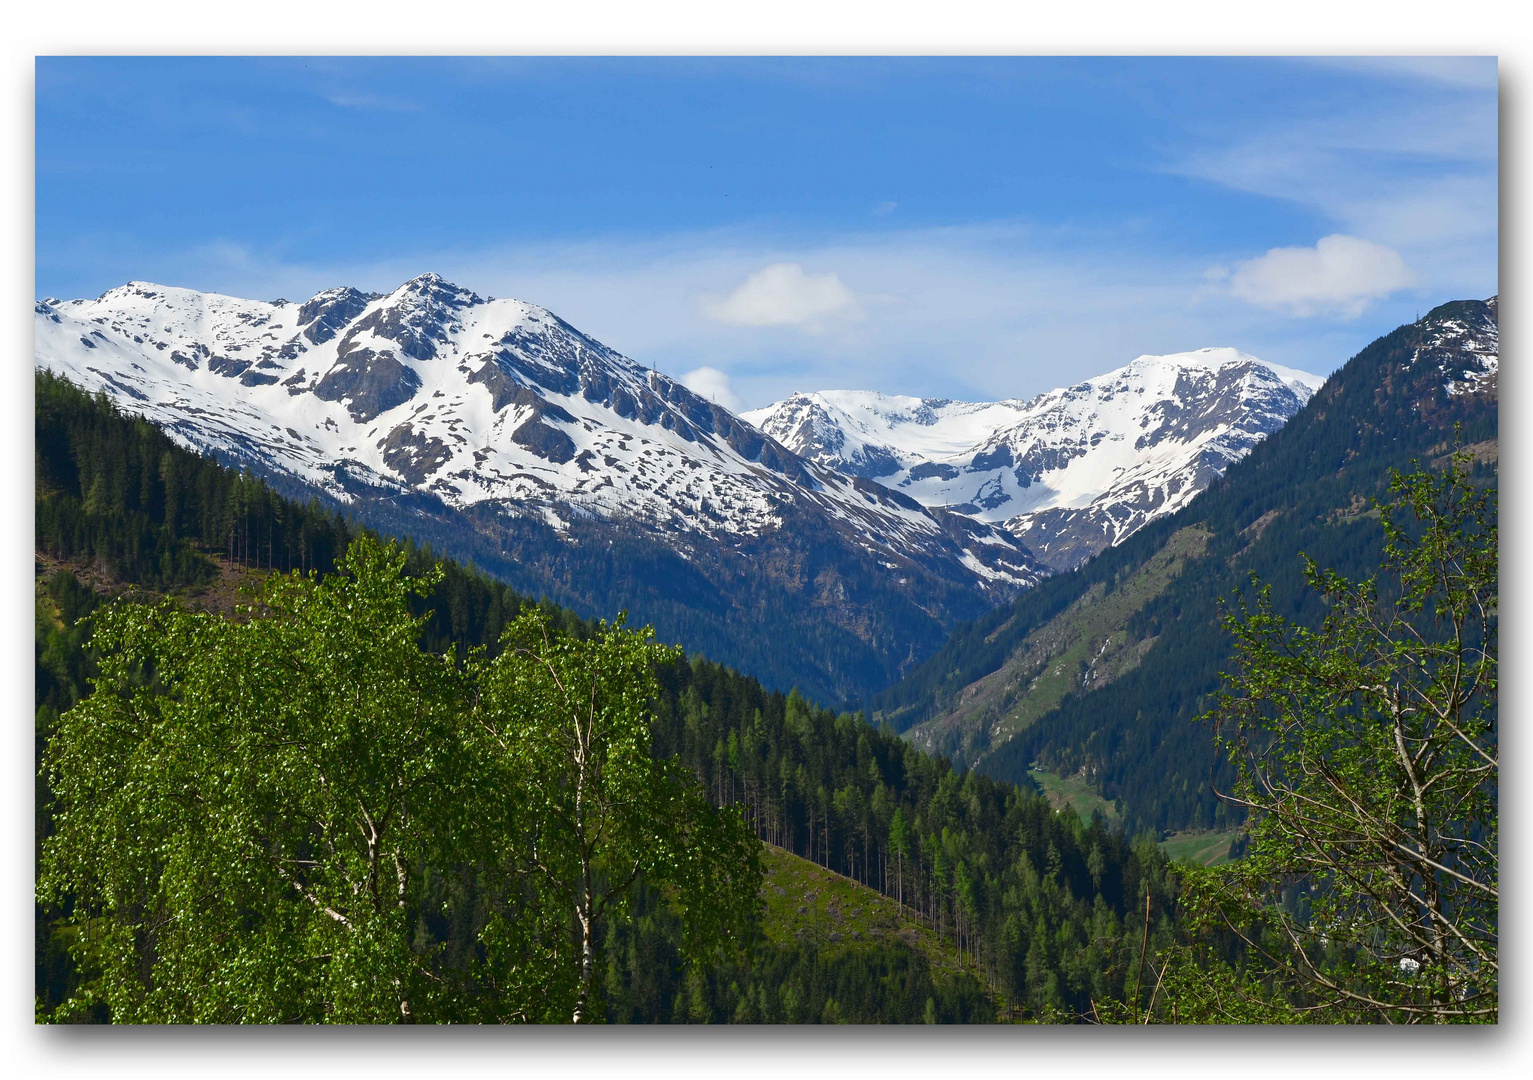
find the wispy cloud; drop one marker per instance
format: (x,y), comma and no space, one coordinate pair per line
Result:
(1416,177)
(783,295)
(1458,72)
(382,102)
(986,311)
(1400,182)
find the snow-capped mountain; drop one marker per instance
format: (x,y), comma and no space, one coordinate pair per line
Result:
(1069,472)
(434,388)
(497,411)
(1466,349)
(878,436)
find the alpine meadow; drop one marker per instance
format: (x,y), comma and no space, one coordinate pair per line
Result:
(875,596)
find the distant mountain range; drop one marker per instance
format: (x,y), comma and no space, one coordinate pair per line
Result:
(828,548)
(1069,472)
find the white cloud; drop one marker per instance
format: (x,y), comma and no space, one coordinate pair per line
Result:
(1339,275)
(714,385)
(783,295)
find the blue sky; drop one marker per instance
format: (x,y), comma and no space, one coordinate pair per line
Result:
(958,227)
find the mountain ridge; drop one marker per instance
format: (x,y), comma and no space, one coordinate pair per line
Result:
(520,421)
(500,432)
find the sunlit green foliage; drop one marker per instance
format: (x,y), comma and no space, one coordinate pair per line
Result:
(567,723)
(294,815)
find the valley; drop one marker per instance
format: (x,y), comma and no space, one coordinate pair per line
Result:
(1084,648)
(1101,674)
(840,542)
(1056,692)
(611,537)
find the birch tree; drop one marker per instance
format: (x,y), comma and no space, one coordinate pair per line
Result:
(1367,756)
(300,815)
(570,722)
(247,810)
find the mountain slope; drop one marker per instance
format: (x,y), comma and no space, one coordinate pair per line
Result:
(120,506)
(1082,648)
(500,433)
(1026,683)
(1073,470)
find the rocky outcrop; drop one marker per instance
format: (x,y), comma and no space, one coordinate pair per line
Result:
(368,383)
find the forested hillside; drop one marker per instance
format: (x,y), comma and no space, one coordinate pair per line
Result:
(118,498)
(1045,912)
(1101,672)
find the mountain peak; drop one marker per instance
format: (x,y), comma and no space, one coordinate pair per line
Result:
(1209,356)
(138,288)
(433,286)
(1217,358)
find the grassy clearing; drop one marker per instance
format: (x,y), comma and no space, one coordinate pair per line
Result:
(219,595)
(1082,648)
(1074,792)
(1202,848)
(806,903)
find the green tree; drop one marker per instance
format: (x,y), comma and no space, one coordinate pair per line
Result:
(1367,759)
(899,843)
(247,809)
(570,721)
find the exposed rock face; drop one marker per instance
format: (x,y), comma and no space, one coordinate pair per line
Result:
(325,315)
(229,368)
(368,383)
(413,456)
(423,316)
(548,443)
(1465,348)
